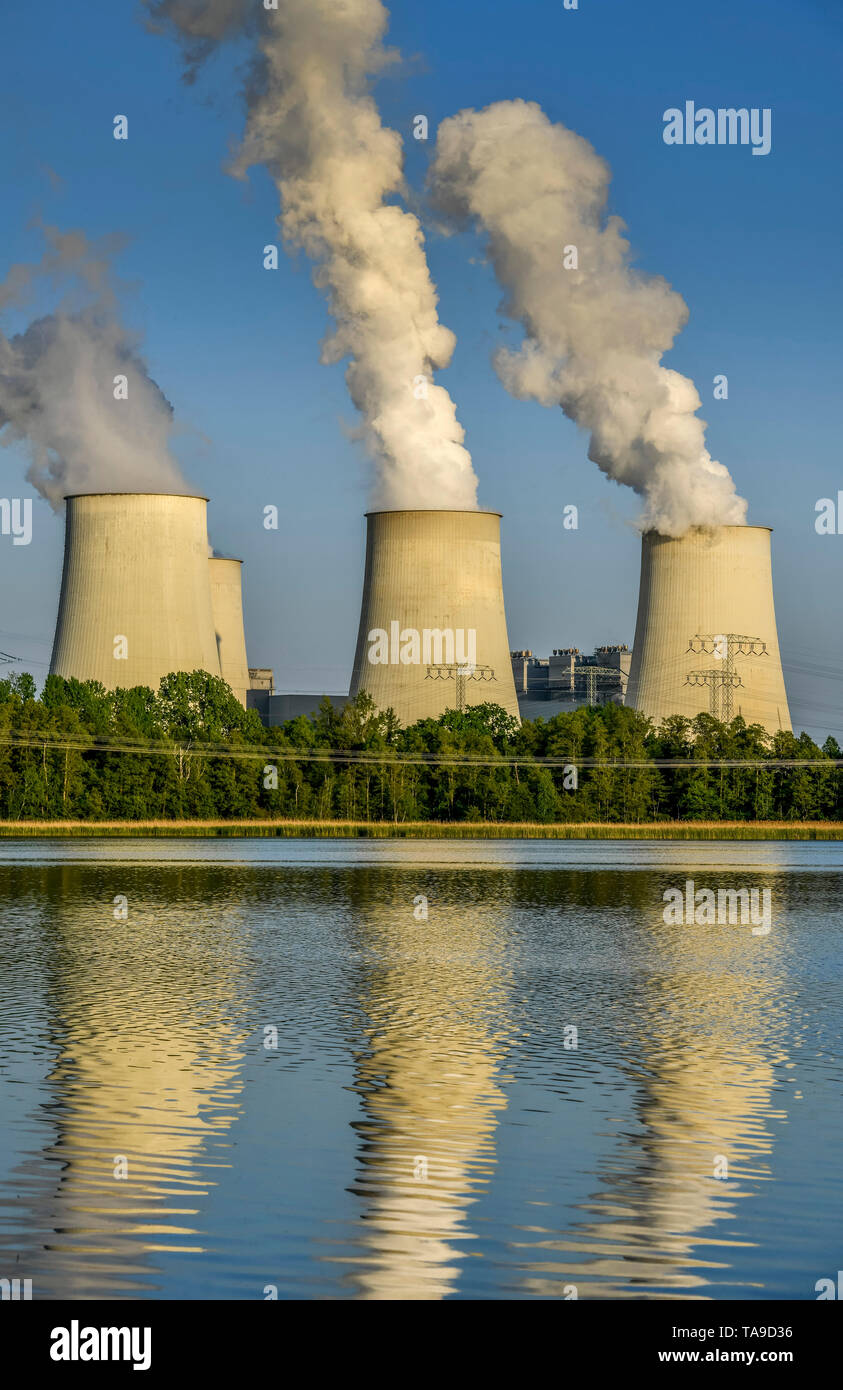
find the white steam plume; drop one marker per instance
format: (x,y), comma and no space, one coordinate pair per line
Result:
(57,382)
(312,122)
(595,335)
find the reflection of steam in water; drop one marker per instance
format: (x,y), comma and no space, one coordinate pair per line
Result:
(433,999)
(147,1066)
(705,1036)
(147,1061)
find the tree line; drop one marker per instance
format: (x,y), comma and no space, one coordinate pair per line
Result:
(190,751)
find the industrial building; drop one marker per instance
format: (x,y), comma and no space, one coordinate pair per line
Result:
(135,598)
(227,608)
(432,630)
(261,680)
(278,708)
(568,678)
(706,638)
(141,598)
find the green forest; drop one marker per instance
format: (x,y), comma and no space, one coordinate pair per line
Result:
(79,752)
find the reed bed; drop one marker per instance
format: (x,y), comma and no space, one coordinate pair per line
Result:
(428,830)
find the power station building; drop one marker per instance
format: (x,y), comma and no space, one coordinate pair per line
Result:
(135,598)
(568,678)
(140,596)
(432,630)
(227,607)
(274,709)
(705,638)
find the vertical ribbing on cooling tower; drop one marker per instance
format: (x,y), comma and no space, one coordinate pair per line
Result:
(135,567)
(434,571)
(227,606)
(713,584)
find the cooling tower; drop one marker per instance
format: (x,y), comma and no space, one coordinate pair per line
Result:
(432,625)
(706,639)
(135,593)
(227,607)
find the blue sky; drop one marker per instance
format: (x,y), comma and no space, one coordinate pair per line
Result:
(752,244)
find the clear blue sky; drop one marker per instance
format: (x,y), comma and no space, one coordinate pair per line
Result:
(752,243)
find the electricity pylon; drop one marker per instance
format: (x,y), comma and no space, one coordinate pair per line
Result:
(722,680)
(460,674)
(591,673)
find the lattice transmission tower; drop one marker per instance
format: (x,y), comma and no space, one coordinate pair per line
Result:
(590,674)
(460,674)
(722,680)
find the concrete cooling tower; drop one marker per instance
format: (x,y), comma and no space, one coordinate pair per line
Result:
(432,627)
(706,638)
(135,593)
(227,607)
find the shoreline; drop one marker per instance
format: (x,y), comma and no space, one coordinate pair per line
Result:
(427,830)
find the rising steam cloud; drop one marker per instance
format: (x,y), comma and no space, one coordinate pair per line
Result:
(595,335)
(312,122)
(57,381)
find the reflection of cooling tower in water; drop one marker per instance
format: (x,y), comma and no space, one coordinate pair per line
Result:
(144,1087)
(702,1057)
(135,596)
(434,1000)
(227,605)
(705,638)
(433,603)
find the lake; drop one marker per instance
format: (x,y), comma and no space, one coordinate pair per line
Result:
(247,1069)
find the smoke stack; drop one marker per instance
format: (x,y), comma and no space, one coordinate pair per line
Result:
(706,638)
(227,607)
(432,625)
(135,594)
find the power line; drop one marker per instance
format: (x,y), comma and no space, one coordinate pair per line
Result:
(349,757)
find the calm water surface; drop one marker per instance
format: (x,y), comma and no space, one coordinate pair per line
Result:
(310,1087)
